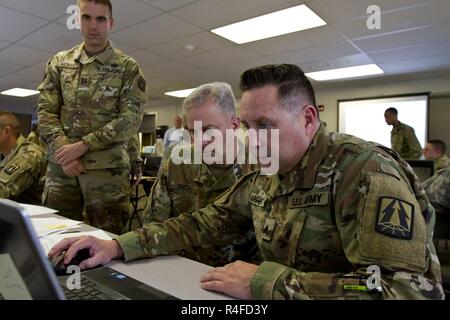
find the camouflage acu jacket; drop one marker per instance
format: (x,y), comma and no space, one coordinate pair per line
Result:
(186,188)
(404,141)
(348,205)
(22,173)
(438,190)
(98,99)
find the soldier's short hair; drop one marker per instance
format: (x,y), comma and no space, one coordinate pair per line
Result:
(104,2)
(294,88)
(220,92)
(392,110)
(8,119)
(438,145)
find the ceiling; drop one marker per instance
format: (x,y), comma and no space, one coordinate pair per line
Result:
(414,40)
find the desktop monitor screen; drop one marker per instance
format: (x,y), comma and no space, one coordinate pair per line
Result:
(25,272)
(424,169)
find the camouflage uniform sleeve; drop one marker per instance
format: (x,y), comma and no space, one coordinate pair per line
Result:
(134,153)
(159,204)
(405,265)
(49,108)
(20,174)
(228,214)
(132,103)
(415,150)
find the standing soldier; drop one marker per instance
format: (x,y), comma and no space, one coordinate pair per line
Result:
(22,172)
(91,105)
(403,138)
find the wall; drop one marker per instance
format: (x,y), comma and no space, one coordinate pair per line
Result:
(165,113)
(439,111)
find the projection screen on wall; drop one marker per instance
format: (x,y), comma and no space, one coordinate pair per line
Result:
(364,118)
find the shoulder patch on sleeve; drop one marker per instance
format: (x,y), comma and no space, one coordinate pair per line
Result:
(12,168)
(142,84)
(395,218)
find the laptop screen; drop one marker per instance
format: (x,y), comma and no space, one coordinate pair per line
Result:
(25,272)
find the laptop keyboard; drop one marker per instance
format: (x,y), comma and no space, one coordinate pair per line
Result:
(89,291)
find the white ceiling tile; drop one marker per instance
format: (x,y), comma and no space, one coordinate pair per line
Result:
(226,56)
(295,41)
(412,52)
(414,17)
(317,53)
(333,11)
(11,81)
(124,48)
(53,38)
(223,12)
(417,65)
(14,25)
(48,9)
(336,63)
(30,74)
(4,44)
(7,68)
(168,68)
(129,12)
(146,58)
(155,31)
(168,5)
(20,55)
(203,42)
(407,38)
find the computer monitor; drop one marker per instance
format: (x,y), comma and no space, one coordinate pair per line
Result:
(25,271)
(424,169)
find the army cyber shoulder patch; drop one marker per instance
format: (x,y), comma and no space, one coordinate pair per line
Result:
(12,168)
(395,218)
(142,84)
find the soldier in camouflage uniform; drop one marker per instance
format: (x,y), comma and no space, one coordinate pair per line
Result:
(403,138)
(438,190)
(134,153)
(185,188)
(435,151)
(91,105)
(339,209)
(22,172)
(33,136)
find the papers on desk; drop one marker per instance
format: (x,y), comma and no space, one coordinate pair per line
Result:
(46,226)
(33,210)
(49,241)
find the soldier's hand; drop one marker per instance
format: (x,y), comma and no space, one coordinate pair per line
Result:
(75,168)
(101,251)
(234,279)
(70,152)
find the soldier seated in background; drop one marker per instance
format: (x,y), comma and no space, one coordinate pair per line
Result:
(435,151)
(22,172)
(438,191)
(338,209)
(33,136)
(185,188)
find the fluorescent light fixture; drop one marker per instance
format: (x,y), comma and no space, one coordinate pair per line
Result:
(19,92)
(271,25)
(180,93)
(343,73)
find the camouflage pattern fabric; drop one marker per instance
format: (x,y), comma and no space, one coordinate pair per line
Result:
(99,100)
(438,190)
(33,137)
(186,188)
(134,152)
(442,163)
(22,173)
(404,141)
(348,205)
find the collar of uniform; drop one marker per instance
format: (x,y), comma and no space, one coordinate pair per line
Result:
(303,176)
(21,140)
(103,57)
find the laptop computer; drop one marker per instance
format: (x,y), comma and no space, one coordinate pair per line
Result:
(26,272)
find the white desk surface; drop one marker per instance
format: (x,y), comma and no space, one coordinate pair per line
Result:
(175,275)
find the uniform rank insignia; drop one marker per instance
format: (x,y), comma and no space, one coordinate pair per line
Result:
(142,84)
(12,168)
(395,218)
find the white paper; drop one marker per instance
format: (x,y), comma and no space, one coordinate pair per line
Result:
(33,210)
(49,241)
(46,226)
